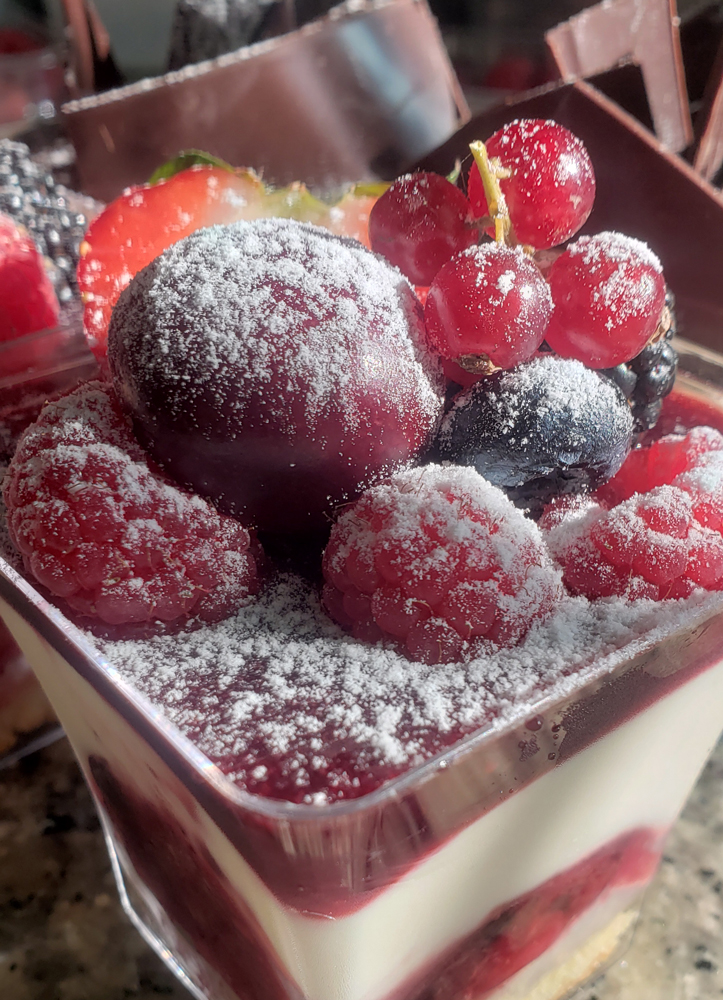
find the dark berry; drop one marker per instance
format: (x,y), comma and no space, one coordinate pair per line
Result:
(547,427)
(275,368)
(650,376)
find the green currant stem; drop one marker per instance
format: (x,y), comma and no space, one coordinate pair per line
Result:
(491,172)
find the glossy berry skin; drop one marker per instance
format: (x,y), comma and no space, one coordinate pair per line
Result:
(545,428)
(489,300)
(27,299)
(551,189)
(609,294)
(419,222)
(292,376)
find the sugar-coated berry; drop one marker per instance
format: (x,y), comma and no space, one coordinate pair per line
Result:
(551,187)
(99,528)
(437,560)
(650,376)
(143,221)
(27,300)
(609,294)
(657,530)
(419,222)
(547,427)
(490,300)
(275,368)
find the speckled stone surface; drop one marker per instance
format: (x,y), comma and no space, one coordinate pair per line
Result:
(63,935)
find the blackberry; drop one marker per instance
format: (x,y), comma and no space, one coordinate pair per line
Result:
(547,427)
(649,377)
(29,195)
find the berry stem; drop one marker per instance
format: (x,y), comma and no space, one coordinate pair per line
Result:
(491,171)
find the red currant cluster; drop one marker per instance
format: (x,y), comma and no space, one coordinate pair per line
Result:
(531,187)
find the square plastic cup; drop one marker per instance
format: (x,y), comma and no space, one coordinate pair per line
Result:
(32,369)
(510,866)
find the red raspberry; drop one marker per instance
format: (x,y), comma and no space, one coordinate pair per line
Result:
(661,543)
(27,300)
(98,527)
(437,559)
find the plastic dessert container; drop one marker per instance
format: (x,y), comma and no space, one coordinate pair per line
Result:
(32,369)
(509,866)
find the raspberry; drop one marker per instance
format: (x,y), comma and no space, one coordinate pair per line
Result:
(437,560)
(27,299)
(661,543)
(99,528)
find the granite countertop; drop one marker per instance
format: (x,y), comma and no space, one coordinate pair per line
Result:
(63,935)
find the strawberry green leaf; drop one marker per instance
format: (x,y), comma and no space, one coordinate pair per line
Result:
(185,159)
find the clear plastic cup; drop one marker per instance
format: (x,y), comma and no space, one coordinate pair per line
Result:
(511,866)
(32,369)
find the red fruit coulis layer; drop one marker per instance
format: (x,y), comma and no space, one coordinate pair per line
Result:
(193,892)
(521,930)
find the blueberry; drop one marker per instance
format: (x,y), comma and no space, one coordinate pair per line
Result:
(547,427)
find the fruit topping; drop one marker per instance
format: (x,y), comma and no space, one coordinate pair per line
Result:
(437,560)
(547,427)
(546,178)
(27,300)
(660,543)
(98,527)
(650,376)
(488,308)
(275,368)
(609,295)
(145,220)
(29,195)
(419,222)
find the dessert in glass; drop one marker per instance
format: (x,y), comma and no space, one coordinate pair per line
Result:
(42,353)
(449,771)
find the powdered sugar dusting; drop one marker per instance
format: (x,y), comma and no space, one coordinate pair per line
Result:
(279,688)
(275,304)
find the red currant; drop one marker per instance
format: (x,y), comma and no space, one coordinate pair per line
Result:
(609,294)
(419,222)
(551,187)
(490,300)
